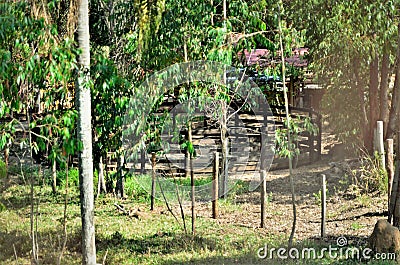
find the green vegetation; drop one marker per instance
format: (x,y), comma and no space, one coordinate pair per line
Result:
(154,238)
(50,73)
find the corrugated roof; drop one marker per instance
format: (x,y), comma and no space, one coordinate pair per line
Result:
(263,57)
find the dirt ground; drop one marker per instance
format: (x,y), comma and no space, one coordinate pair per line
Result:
(349,214)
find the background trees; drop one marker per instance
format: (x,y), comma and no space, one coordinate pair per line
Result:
(352,50)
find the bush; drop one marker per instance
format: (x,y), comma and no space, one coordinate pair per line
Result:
(73,177)
(368,177)
(373,176)
(134,190)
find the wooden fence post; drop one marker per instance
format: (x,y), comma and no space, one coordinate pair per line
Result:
(323,207)
(215,186)
(143,161)
(311,141)
(381,148)
(319,139)
(263,186)
(153,180)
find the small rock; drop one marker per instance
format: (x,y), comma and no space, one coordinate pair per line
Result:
(385,238)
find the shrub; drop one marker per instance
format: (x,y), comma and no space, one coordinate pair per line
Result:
(73,177)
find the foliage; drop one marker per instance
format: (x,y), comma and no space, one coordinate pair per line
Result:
(36,72)
(298,126)
(343,43)
(318,196)
(110,93)
(135,191)
(73,177)
(372,176)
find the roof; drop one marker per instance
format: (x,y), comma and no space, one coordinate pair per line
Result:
(263,57)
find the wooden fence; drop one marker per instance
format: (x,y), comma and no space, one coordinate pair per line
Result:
(206,140)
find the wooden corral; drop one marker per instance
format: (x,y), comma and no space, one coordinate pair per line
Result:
(206,139)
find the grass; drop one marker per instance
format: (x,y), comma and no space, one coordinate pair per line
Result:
(155,238)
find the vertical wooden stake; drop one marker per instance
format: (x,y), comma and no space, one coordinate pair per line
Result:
(319,137)
(323,207)
(311,141)
(143,161)
(381,148)
(215,186)
(193,196)
(390,167)
(263,186)
(153,179)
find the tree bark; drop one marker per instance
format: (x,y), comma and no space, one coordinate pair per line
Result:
(120,189)
(85,136)
(54,173)
(373,99)
(394,111)
(360,89)
(225,163)
(101,184)
(384,88)
(285,93)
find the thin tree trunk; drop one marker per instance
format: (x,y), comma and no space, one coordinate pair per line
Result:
(192,184)
(65,214)
(288,131)
(360,89)
(394,111)
(153,180)
(101,184)
(54,173)
(396,202)
(373,99)
(224,154)
(85,136)
(32,196)
(224,122)
(6,156)
(120,189)
(384,88)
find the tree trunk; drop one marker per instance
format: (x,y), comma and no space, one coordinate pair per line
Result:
(143,161)
(395,198)
(224,155)
(384,88)
(373,99)
(54,173)
(192,183)
(83,103)
(292,190)
(101,184)
(120,189)
(394,111)
(360,89)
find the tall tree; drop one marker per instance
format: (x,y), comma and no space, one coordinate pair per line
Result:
(350,47)
(83,102)
(395,109)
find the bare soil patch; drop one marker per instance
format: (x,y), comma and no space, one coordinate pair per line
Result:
(347,214)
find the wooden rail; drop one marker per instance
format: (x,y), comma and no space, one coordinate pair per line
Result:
(308,143)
